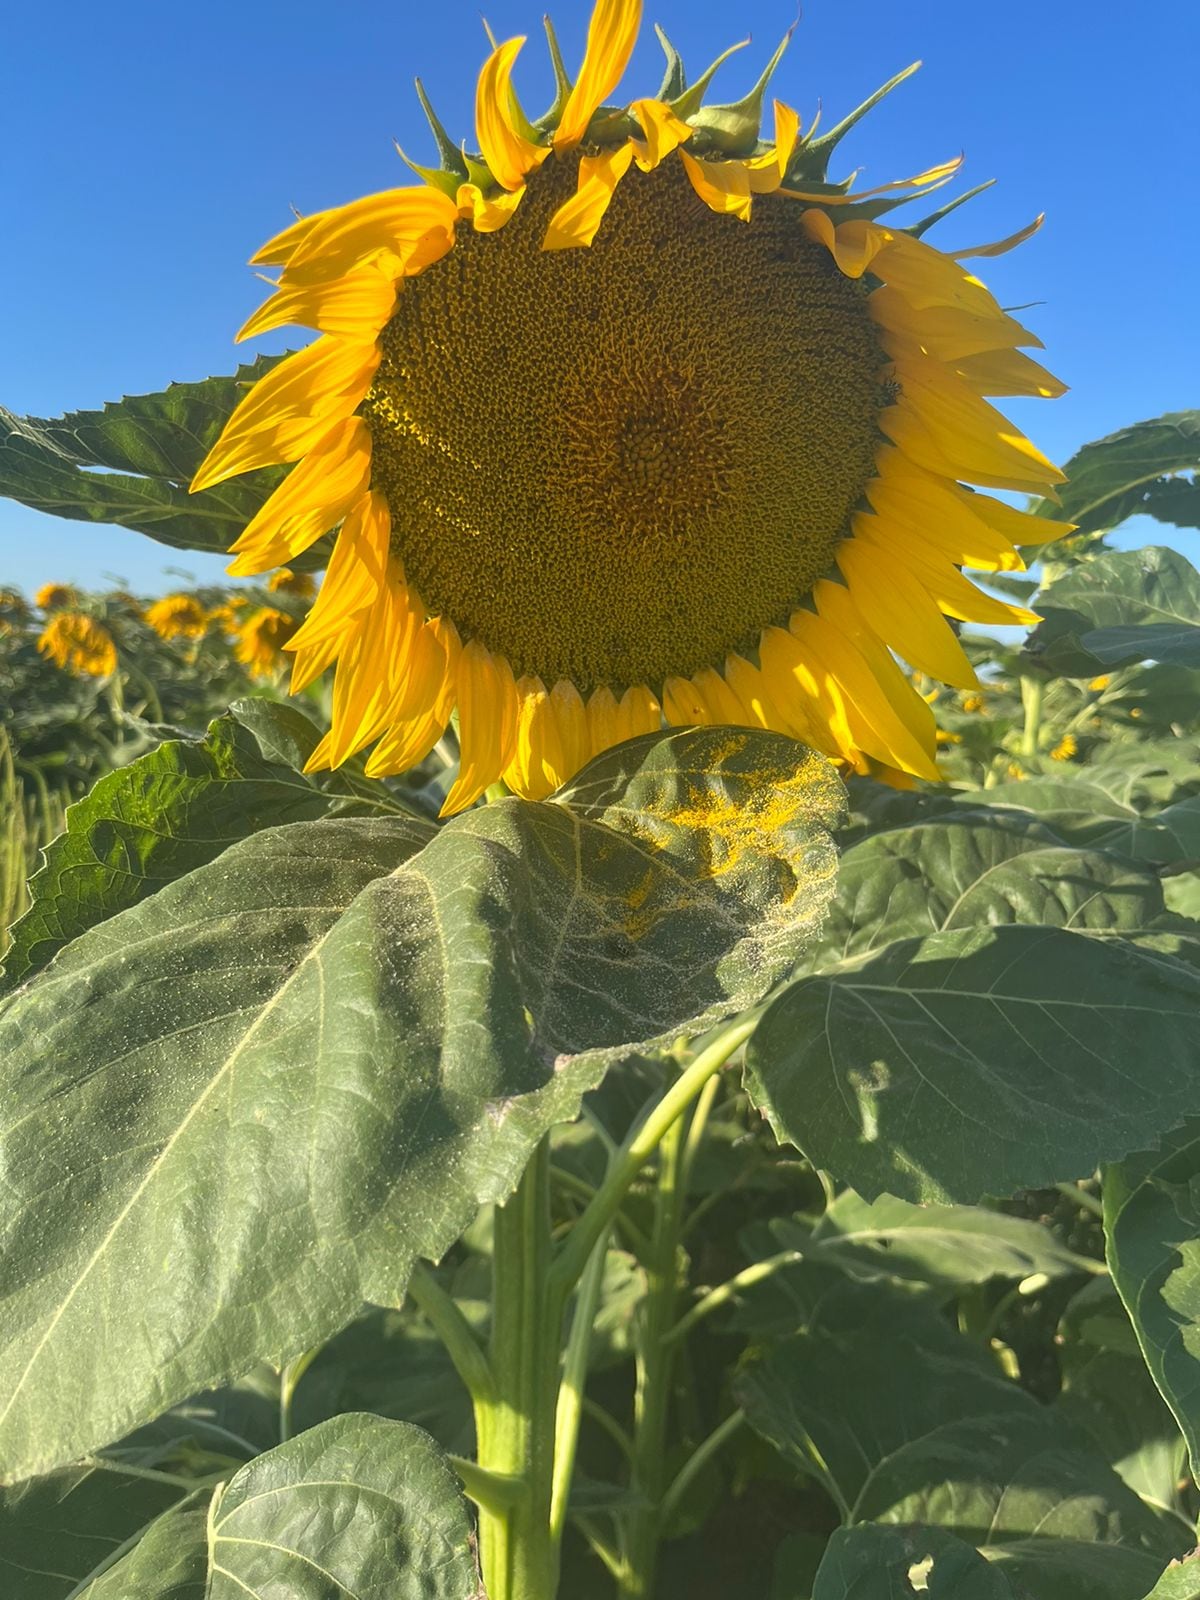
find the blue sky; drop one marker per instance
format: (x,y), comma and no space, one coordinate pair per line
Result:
(147,149)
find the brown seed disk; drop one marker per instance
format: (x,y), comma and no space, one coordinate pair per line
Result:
(618,463)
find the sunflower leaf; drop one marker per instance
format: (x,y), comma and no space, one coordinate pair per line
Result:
(1152,1223)
(359,1507)
(1129,472)
(872,1562)
(160,817)
(979,1061)
(1119,608)
(259,1094)
(131,462)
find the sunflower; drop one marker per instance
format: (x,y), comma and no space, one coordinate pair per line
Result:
(177,616)
(54,596)
(297,584)
(79,644)
(634,416)
(261,638)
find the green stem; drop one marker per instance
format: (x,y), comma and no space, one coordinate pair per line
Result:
(1081,1197)
(516,1429)
(289,1378)
(725,1292)
(696,1462)
(1031,700)
(637,1150)
(655,1368)
(496,1492)
(571,1388)
(452,1328)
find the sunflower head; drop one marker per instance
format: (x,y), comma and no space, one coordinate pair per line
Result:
(299,585)
(177,616)
(635,414)
(79,644)
(261,638)
(54,597)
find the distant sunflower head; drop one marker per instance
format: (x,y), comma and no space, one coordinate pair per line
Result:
(78,643)
(177,616)
(262,636)
(635,415)
(300,585)
(54,597)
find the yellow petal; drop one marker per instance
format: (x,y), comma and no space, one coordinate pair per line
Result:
(903,614)
(421,709)
(1008,372)
(602,720)
(1001,245)
(926,277)
(766,171)
(577,219)
(310,661)
(799,687)
(853,245)
(280,249)
(356,306)
(683,705)
(947,332)
(923,507)
(931,178)
(537,756)
(571,717)
(508,153)
(396,220)
(770,699)
(954,594)
(291,408)
(724,186)
(638,712)
(487,723)
(663,131)
(720,702)
(834,604)
(406,743)
(487,215)
(356,573)
(612,31)
(310,500)
(363,685)
(944,427)
(1019,527)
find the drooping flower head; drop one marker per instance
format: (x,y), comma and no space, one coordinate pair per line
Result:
(262,637)
(634,415)
(78,643)
(177,616)
(300,585)
(54,596)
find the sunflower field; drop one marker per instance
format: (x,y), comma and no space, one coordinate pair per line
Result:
(606,1022)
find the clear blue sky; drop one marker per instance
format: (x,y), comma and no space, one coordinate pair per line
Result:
(146,149)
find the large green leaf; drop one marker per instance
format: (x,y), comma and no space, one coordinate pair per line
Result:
(131,463)
(872,1562)
(979,1061)
(169,1562)
(1108,1394)
(1152,1220)
(1103,807)
(239,1109)
(904,1421)
(57,1531)
(1181,1581)
(974,870)
(359,1508)
(1130,472)
(151,822)
(1118,608)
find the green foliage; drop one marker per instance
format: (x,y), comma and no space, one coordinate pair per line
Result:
(131,464)
(390,1209)
(1135,471)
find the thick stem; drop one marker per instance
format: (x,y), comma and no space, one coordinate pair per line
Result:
(638,1149)
(655,1366)
(571,1389)
(516,1428)
(1031,700)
